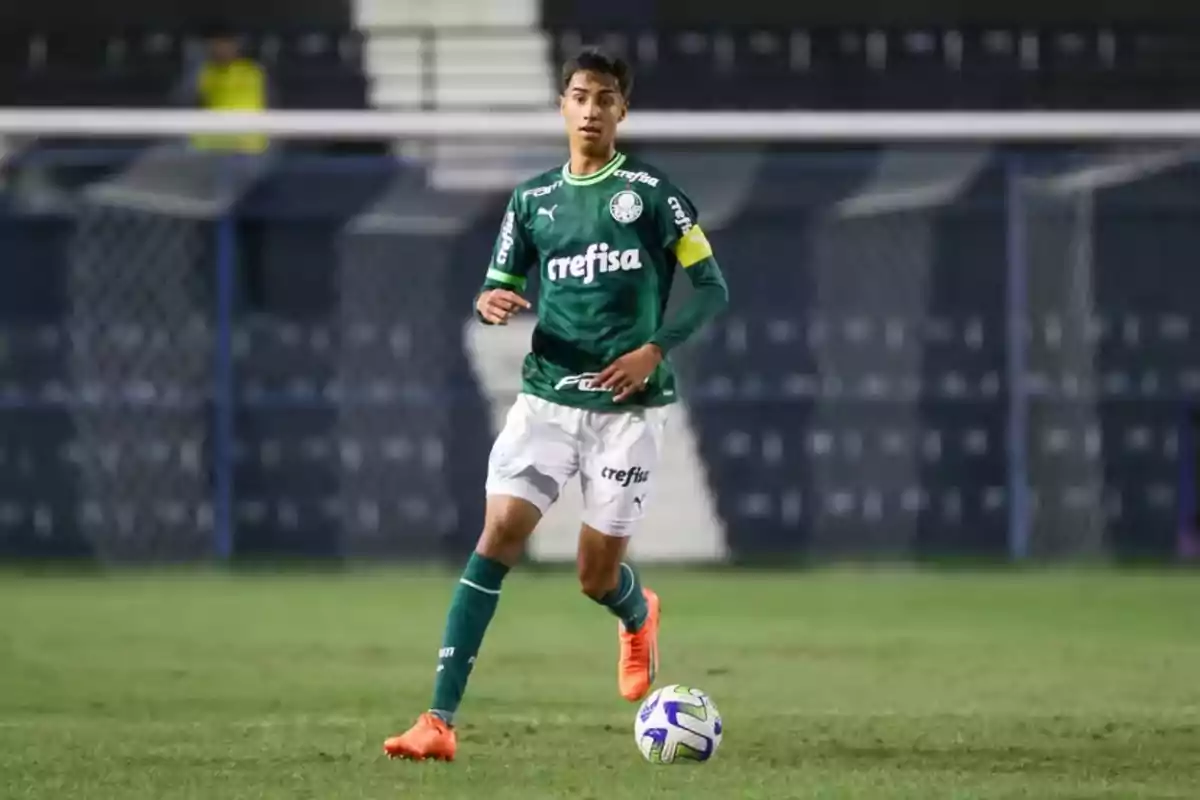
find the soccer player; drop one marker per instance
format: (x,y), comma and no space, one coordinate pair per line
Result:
(607,233)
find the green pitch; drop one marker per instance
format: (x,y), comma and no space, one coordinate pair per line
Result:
(832,685)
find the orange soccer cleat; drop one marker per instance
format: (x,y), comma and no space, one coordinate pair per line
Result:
(639,654)
(429,738)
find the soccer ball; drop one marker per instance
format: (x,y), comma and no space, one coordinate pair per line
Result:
(677,723)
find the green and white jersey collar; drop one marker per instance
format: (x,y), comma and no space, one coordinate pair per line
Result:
(596,177)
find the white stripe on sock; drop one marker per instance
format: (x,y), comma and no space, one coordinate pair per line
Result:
(632,583)
(477,587)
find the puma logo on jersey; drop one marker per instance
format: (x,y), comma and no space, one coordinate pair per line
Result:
(547,212)
(598,259)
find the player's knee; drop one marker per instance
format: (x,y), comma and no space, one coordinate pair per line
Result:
(507,525)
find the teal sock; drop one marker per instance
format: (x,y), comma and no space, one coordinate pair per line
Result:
(471,611)
(627,601)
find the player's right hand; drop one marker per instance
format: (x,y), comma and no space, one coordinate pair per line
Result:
(495,306)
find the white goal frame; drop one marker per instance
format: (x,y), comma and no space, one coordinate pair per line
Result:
(690,126)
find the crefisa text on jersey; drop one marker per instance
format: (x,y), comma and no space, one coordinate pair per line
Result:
(636,177)
(598,258)
(506,238)
(681,218)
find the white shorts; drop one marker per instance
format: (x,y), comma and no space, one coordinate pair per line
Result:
(543,445)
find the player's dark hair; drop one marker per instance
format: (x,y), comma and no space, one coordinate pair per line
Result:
(593,59)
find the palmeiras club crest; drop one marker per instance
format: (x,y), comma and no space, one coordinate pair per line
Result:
(625,206)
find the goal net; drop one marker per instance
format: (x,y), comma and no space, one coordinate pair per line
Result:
(950,335)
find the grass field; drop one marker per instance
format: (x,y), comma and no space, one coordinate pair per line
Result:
(835,684)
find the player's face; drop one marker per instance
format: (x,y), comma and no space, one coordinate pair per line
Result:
(593,106)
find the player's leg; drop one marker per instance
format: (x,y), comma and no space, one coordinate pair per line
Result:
(608,578)
(508,523)
(531,460)
(617,472)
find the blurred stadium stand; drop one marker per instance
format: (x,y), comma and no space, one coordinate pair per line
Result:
(855,401)
(927,67)
(768,13)
(1086,66)
(392,56)
(321,68)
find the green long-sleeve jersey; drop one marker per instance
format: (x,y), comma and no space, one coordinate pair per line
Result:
(607,246)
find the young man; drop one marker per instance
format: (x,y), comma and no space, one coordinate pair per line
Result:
(607,234)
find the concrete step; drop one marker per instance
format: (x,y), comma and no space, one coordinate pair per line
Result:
(494,92)
(381,13)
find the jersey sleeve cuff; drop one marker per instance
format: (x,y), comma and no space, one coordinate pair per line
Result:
(504,280)
(660,344)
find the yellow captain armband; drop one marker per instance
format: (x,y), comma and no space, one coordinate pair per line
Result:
(692,247)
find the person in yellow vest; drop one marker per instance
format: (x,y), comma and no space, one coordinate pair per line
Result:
(226,80)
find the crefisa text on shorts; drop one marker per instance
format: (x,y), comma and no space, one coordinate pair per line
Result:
(626,477)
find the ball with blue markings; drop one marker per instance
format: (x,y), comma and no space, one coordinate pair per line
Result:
(678,724)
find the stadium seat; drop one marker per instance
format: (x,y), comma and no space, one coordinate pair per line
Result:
(82,49)
(38,510)
(155,51)
(771,68)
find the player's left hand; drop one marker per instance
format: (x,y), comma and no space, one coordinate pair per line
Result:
(628,374)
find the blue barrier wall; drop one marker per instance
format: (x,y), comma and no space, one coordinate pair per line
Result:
(928,354)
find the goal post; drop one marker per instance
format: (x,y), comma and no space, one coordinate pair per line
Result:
(672,126)
(951,333)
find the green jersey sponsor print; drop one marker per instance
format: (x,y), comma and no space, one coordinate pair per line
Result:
(606,248)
